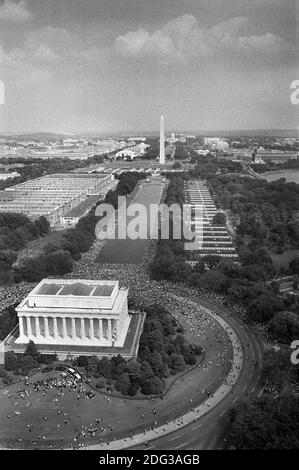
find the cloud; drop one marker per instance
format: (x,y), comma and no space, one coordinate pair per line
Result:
(16,12)
(182,38)
(18,71)
(51,44)
(44,53)
(56,38)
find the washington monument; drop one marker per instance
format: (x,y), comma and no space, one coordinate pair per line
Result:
(162,141)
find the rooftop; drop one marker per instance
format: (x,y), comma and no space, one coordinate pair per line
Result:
(76,288)
(80,295)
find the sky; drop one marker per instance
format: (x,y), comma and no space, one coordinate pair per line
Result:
(105,66)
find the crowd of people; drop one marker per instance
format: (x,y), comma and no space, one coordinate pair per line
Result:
(202,328)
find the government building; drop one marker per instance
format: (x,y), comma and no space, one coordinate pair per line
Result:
(77,317)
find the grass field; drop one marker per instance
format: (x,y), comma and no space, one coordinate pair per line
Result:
(119,416)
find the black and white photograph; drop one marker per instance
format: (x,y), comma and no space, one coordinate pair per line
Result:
(149,230)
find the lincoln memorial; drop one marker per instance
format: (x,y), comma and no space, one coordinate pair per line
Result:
(74,317)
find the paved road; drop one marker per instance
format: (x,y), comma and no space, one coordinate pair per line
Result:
(208,431)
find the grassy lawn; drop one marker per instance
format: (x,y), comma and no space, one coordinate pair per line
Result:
(119,417)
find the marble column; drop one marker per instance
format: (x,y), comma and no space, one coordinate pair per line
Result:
(64,330)
(91,329)
(109,330)
(74,334)
(115,330)
(29,330)
(46,323)
(37,328)
(100,329)
(21,327)
(83,334)
(55,328)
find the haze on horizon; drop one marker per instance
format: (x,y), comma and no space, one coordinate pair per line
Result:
(99,66)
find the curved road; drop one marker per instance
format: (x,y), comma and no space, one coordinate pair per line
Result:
(208,431)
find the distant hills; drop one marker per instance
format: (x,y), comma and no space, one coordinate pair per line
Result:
(224,133)
(36,136)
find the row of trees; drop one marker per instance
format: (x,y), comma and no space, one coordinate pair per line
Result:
(292,164)
(22,364)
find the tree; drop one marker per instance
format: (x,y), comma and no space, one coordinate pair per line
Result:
(92,365)
(11,361)
(104,367)
(147,371)
(134,370)
(294,265)
(276,370)
(165,372)
(215,281)
(178,363)
(27,362)
(58,262)
(285,326)
(152,386)
(133,389)
(82,361)
(9,320)
(219,219)
(123,383)
(156,363)
(32,269)
(211,261)
(265,423)
(31,350)
(263,308)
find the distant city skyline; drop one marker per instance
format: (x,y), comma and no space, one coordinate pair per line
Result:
(114,67)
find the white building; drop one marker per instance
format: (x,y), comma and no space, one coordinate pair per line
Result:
(126,153)
(76,317)
(7,175)
(74,312)
(216,143)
